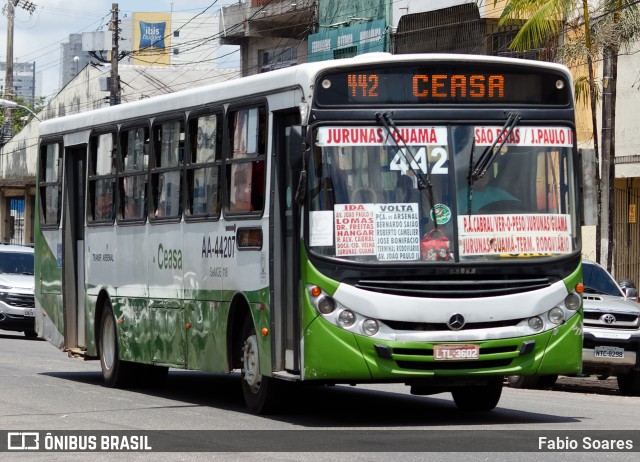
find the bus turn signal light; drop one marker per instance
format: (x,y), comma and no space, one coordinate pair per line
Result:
(265,331)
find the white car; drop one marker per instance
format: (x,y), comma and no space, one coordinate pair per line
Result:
(17,305)
(611,333)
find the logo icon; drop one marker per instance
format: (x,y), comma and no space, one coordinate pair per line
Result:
(23,441)
(456,322)
(608,318)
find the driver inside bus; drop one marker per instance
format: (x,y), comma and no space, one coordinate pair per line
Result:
(483,195)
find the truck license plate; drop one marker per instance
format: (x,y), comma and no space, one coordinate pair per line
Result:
(608,352)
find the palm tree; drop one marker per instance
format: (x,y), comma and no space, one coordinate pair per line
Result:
(616,24)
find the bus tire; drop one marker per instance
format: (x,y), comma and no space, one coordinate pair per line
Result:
(478,398)
(261,394)
(115,373)
(629,383)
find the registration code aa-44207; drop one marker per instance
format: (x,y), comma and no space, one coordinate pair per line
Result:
(452,352)
(608,352)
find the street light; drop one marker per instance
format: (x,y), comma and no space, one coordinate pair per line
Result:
(12,104)
(75,60)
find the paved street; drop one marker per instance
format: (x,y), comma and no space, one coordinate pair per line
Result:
(43,389)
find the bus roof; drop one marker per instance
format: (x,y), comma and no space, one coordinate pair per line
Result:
(300,76)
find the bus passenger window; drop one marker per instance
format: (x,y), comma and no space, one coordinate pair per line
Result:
(166,173)
(245,168)
(51,183)
(132,179)
(203,166)
(101,181)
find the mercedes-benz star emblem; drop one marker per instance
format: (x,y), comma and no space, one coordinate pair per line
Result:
(608,318)
(456,322)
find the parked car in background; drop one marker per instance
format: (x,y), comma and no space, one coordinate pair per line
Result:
(611,342)
(17,305)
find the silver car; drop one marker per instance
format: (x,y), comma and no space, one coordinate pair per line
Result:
(611,329)
(17,305)
(611,341)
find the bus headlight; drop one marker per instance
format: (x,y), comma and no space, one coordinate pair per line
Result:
(572,301)
(326,305)
(346,319)
(536,323)
(556,315)
(370,327)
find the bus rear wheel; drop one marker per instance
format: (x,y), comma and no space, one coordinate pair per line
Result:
(478,398)
(116,373)
(261,394)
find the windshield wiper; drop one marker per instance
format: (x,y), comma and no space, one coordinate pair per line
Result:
(489,154)
(424,180)
(470,176)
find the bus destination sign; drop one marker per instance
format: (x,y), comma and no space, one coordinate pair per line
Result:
(455,83)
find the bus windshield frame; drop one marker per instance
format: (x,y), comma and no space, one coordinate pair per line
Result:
(366,204)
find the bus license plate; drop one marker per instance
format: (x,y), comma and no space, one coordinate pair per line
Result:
(608,352)
(29,313)
(455,352)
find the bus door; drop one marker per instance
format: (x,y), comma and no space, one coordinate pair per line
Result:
(75,161)
(285,240)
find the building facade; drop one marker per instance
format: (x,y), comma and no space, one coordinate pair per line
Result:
(24,80)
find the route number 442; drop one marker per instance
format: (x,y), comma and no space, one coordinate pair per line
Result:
(413,160)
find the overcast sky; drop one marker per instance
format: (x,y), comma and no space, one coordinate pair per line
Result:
(38,36)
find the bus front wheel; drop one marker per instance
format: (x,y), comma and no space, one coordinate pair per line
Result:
(261,393)
(478,398)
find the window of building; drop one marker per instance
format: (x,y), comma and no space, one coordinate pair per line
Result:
(347,52)
(203,166)
(102,178)
(245,168)
(51,183)
(278,58)
(166,170)
(132,173)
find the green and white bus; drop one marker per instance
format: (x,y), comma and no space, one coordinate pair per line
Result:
(405,219)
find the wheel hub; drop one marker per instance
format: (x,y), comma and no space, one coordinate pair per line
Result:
(251,363)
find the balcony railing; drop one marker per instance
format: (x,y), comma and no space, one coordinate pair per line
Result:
(266,18)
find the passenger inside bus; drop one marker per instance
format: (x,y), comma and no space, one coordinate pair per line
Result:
(405,191)
(486,198)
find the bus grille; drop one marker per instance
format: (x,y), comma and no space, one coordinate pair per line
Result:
(422,359)
(454,288)
(453,365)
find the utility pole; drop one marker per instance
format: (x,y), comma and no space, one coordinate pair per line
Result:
(7,129)
(115,79)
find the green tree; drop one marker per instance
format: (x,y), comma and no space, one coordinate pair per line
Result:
(20,116)
(591,32)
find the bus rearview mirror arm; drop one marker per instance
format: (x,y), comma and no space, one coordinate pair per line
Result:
(298,157)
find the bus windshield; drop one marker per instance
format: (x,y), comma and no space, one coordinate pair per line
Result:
(370,201)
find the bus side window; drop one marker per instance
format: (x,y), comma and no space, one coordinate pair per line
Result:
(166,173)
(132,174)
(51,183)
(101,178)
(203,166)
(245,167)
